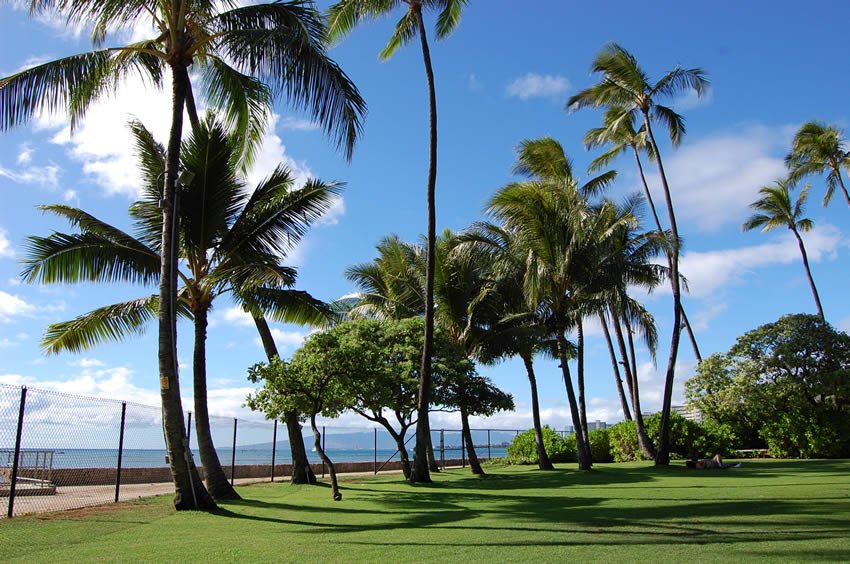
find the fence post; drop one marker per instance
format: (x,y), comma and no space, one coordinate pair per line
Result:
(323,450)
(120,450)
(17,451)
(189,432)
(233,455)
(462,450)
(274,446)
(489,454)
(376,450)
(443,448)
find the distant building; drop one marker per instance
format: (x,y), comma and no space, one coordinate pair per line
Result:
(688,412)
(593,425)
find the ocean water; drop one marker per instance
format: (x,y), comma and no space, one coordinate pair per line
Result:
(154,458)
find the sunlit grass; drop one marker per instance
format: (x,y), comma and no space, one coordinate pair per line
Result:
(778,510)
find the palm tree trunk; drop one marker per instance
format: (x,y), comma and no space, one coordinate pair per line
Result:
(644,442)
(624,403)
(217,482)
(317,443)
(189,489)
(646,192)
(662,457)
(584,461)
(809,274)
(302,473)
(582,406)
(474,463)
(843,188)
(543,461)
(421,471)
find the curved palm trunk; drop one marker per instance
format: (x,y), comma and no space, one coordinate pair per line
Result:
(646,192)
(663,453)
(317,443)
(543,461)
(474,463)
(189,491)
(217,482)
(421,470)
(582,406)
(809,274)
(624,403)
(584,461)
(302,473)
(841,183)
(644,442)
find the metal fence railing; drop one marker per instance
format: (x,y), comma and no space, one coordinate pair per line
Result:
(61,451)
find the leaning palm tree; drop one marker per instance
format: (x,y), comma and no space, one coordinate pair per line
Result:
(342,18)
(619,133)
(817,149)
(776,209)
(625,84)
(246,56)
(231,242)
(510,328)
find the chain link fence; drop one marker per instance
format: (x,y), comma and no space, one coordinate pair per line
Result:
(61,451)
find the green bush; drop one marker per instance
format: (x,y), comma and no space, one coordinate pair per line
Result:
(523,449)
(600,446)
(688,439)
(622,439)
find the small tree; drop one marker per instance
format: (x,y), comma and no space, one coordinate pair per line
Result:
(472,394)
(306,385)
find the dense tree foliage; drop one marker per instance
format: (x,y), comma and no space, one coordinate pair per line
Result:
(785,385)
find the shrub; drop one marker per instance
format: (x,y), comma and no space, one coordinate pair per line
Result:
(523,449)
(622,439)
(600,446)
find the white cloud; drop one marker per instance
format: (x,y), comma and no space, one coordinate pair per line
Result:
(13,306)
(538,86)
(87,363)
(715,179)
(46,175)
(235,316)
(6,249)
(691,100)
(25,154)
(297,124)
(710,270)
(473,83)
(272,152)
(701,319)
(70,196)
(286,341)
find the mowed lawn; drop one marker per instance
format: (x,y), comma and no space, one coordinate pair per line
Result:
(767,510)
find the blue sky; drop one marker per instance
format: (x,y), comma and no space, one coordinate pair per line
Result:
(502,77)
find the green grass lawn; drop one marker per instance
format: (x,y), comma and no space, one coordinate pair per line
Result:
(769,509)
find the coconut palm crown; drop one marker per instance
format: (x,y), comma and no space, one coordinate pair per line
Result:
(818,148)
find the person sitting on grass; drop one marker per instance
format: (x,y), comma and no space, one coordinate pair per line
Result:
(711,463)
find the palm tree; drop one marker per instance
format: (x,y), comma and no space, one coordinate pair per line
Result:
(247,55)
(231,241)
(343,17)
(619,132)
(547,214)
(626,85)
(817,149)
(775,209)
(511,328)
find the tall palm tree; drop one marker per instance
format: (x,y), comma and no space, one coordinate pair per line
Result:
(343,17)
(625,84)
(618,131)
(547,213)
(817,149)
(776,209)
(246,56)
(231,242)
